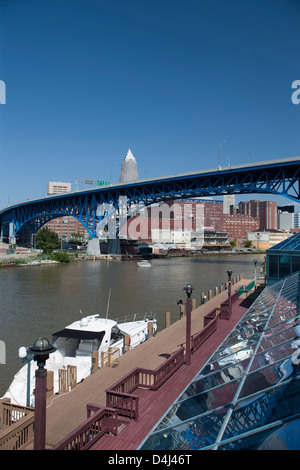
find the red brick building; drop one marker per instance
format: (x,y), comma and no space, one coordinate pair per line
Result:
(264,211)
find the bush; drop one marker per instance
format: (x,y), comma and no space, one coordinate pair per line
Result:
(61,257)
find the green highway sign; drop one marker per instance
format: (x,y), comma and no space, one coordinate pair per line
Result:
(103,183)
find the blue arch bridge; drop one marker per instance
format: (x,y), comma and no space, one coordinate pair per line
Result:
(111,206)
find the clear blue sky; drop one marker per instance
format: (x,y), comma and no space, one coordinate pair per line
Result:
(169,79)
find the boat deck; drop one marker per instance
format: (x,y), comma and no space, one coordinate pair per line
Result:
(67,411)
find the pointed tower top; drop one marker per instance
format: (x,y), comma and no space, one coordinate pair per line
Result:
(129,156)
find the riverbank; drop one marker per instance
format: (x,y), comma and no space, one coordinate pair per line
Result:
(25,257)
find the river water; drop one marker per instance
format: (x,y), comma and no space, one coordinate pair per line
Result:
(39,300)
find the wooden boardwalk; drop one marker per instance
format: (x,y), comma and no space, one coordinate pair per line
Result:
(67,411)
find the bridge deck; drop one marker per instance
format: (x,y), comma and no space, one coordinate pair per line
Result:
(66,412)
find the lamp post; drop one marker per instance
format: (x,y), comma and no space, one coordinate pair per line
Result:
(25,356)
(255,264)
(229,273)
(40,351)
(188,289)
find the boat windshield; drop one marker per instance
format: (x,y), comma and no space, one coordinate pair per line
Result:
(116,335)
(79,334)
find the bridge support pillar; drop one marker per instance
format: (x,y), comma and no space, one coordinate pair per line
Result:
(93,247)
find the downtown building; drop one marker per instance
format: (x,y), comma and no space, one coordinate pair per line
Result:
(64,226)
(264,211)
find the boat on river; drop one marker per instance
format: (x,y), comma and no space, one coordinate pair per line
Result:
(144,264)
(80,344)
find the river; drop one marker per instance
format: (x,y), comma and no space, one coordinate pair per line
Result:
(39,300)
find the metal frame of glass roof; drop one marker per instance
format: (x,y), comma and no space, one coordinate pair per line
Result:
(248,393)
(289,244)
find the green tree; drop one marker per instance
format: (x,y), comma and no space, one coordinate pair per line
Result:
(47,240)
(248,244)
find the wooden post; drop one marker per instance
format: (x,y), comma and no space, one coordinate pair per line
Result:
(209,294)
(193,304)
(109,357)
(150,329)
(72,376)
(126,343)
(40,410)
(62,380)
(168,319)
(181,311)
(95,361)
(188,332)
(50,383)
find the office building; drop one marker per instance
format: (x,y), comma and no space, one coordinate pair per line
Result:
(128,168)
(229,200)
(64,226)
(58,187)
(264,211)
(237,226)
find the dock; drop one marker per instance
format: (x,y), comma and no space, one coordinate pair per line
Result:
(65,412)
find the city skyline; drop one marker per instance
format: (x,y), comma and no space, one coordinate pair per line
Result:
(184,86)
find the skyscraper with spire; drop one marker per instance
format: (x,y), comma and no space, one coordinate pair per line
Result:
(128,169)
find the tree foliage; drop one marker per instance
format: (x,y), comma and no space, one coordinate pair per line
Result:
(47,240)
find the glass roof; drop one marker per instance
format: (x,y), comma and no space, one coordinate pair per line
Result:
(247,396)
(290,244)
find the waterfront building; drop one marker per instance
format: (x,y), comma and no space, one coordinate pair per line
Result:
(264,239)
(237,226)
(283,258)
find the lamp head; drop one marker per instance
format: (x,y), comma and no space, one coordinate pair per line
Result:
(40,351)
(188,289)
(229,272)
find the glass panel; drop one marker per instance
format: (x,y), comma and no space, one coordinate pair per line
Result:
(275,354)
(194,434)
(273,266)
(271,375)
(295,263)
(282,437)
(265,408)
(274,340)
(201,403)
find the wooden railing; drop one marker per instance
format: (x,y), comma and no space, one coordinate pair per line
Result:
(199,338)
(221,312)
(100,420)
(120,394)
(17,426)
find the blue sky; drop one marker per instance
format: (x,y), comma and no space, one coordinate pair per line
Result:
(88,79)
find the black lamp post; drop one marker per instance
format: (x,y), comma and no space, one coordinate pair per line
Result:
(40,351)
(229,273)
(255,264)
(188,289)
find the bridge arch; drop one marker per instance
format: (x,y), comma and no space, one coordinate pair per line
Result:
(276,177)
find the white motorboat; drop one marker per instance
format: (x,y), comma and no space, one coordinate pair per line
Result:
(144,264)
(76,345)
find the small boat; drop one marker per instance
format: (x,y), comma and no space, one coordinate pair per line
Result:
(144,264)
(76,345)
